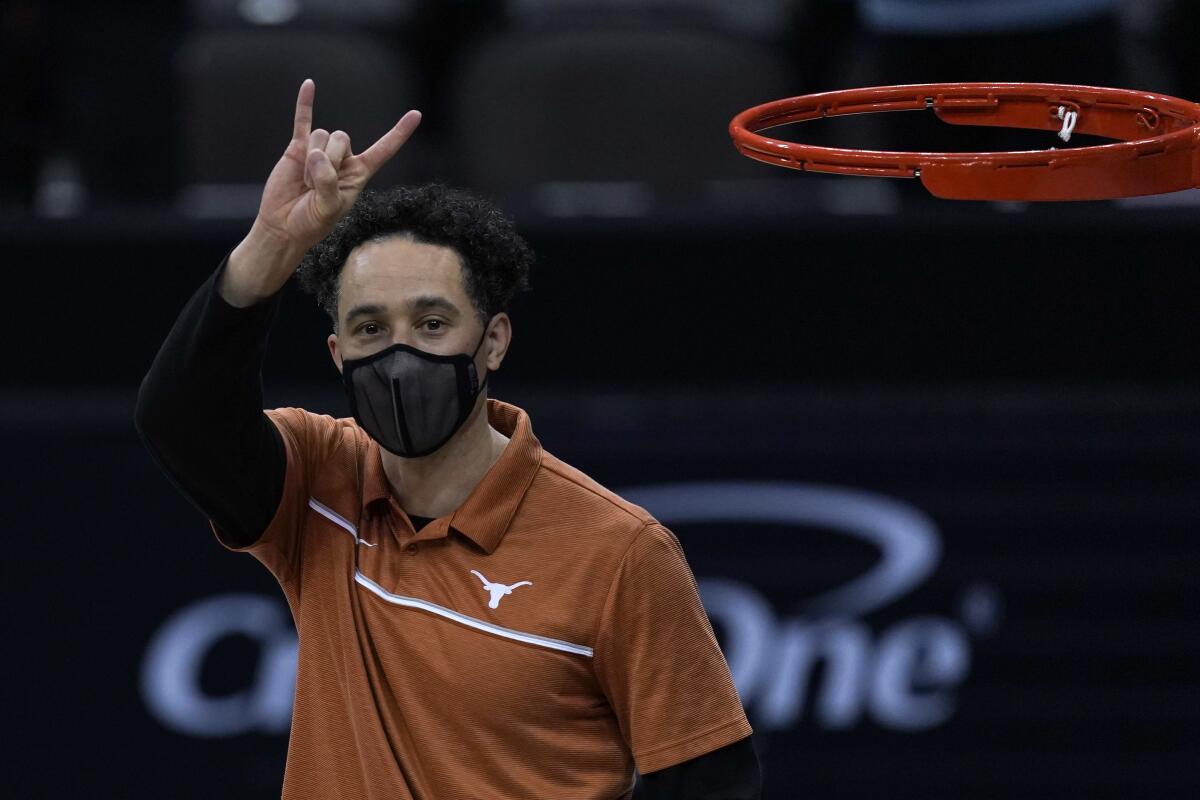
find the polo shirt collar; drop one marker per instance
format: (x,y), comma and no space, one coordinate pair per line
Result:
(485,515)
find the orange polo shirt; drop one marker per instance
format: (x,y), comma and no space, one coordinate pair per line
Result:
(538,642)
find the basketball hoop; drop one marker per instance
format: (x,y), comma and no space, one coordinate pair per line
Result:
(1157,148)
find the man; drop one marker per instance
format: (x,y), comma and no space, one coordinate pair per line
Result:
(476,618)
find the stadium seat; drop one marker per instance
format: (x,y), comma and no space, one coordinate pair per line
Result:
(613,120)
(238,96)
(762,19)
(326,14)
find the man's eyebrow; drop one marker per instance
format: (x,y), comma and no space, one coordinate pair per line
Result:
(366,308)
(427,301)
(419,303)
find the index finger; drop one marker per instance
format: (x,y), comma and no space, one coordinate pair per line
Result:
(378,154)
(304,105)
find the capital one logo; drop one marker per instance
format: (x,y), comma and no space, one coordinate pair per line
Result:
(904,677)
(171,667)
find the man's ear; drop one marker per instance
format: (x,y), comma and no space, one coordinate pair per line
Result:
(332,341)
(500,336)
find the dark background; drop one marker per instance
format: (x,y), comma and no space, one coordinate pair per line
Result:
(1021,376)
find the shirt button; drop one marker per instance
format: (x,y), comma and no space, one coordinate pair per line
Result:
(412,549)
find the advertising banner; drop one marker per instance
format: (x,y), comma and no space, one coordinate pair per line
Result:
(919,595)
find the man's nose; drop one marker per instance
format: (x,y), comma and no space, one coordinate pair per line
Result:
(402,336)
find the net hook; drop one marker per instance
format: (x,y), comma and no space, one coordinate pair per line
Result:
(1069,116)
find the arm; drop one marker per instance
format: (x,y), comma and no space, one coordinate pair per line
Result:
(728,773)
(199,409)
(659,664)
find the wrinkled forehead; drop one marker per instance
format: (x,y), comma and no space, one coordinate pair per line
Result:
(402,275)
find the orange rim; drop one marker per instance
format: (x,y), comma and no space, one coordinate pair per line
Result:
(1157,139)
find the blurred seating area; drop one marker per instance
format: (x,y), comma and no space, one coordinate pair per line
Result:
(563,108)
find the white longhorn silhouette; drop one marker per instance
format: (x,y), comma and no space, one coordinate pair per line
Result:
(498,590)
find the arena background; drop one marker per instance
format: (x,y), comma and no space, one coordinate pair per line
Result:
(934,464)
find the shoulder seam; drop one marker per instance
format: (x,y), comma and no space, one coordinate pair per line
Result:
(551,468)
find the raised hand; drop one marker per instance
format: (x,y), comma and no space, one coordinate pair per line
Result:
(314,184)
(318,178)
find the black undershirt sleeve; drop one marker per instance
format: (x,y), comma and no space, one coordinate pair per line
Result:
(200,412)
(727,773)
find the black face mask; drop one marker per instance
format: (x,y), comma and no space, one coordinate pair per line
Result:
(411,401)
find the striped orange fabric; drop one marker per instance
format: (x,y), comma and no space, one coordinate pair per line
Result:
(538,642)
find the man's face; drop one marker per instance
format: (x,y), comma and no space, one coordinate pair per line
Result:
(401,291)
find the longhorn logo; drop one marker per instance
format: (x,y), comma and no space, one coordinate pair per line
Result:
(498,590)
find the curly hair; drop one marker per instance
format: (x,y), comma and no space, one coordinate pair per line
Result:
(496,260)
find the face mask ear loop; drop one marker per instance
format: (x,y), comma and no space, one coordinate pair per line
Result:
(482,382)
(482,337)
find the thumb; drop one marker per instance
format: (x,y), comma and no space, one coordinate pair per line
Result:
(325,183)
